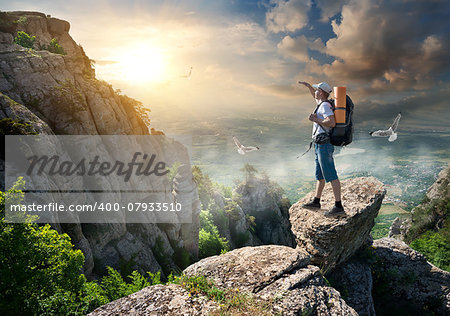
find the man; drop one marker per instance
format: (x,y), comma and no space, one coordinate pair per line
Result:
(323,118)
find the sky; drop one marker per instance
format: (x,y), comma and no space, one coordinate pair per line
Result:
(247,56)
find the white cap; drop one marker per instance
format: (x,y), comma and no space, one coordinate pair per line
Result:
(324,86)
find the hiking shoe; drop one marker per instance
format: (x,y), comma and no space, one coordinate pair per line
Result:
(335,211)
(311,204)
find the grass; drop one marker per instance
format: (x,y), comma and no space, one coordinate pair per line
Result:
(231,301)
(389,208)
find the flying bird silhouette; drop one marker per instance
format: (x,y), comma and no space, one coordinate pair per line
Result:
(188,76)
(243,149)
(390,132)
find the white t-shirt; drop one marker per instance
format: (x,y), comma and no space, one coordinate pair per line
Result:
(323,112)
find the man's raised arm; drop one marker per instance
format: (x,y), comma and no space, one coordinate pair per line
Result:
(311,89)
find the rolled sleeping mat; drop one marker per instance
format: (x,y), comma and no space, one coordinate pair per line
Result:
(340,104)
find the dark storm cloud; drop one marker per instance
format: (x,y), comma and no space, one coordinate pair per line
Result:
(389,44)
(430,109)
(401,43)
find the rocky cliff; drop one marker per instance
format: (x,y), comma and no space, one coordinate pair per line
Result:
(258,214)
(48,93)
(335,269)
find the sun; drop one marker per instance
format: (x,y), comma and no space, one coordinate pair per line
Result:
(143,64)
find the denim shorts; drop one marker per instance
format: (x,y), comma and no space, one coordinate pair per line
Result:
(324,162)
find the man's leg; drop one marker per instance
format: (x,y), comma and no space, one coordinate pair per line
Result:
(326,161)
(336,185)
(320,184)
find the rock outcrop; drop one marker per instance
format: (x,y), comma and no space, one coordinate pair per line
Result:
(257,212)
(172,300)
(276,273)
(331,240)
(279,274)
(262,198)
(47,93)
(405,281)
(384,277)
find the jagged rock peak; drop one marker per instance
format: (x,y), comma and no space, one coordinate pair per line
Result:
(332,240)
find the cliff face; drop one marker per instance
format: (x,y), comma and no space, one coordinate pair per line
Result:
(258,217)
(62,89)
(58,94)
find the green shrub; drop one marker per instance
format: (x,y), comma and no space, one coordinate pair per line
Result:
(231,301)
(181,257)
(25,40)
(115,287)
(54,47)
(160,255)
(210,243)
(435,246)
(241,238)
(220,219)
(200,285)
(40,271)
(204,186)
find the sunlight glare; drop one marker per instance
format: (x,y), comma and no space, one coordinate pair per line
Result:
(143,64)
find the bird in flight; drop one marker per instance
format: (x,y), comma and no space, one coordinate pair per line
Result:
(243,149)
(390,132)
(188,76)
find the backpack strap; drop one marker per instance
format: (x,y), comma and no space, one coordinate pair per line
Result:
(315,111)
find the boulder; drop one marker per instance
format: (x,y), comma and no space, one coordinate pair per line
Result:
(404,280)
(332,240)
(159,299)
(279,274)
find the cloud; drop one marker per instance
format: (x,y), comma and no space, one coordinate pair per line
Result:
(296,48)
(287,16)
(283,91)
(330,8)
(245,37)
(427,108)
(396,42)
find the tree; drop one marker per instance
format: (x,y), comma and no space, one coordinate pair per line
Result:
(40,271)
(249,171)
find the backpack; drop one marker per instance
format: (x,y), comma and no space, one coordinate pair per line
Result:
(342,133)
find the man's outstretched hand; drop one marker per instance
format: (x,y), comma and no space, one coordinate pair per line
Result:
(304,83)
(311,89)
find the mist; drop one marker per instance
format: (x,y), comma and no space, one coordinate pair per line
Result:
(407,166)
